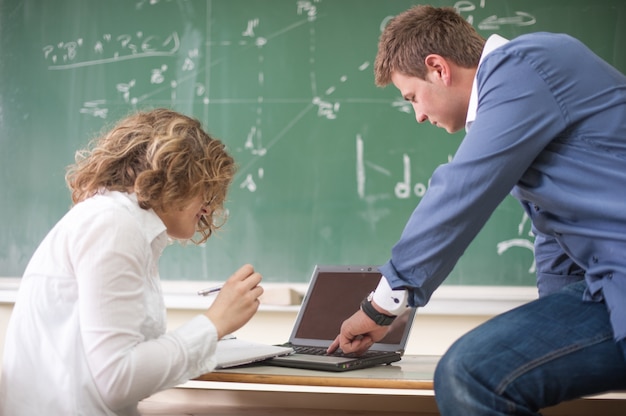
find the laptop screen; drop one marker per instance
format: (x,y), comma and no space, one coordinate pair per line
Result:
(334,294)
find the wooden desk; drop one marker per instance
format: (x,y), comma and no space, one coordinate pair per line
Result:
(401,389)
(412,373)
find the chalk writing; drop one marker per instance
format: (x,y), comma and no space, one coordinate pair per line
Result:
(403,189)
(75,53)
(182,74)
(493,22)
(527,243)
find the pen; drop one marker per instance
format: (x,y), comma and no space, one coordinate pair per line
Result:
(210,290)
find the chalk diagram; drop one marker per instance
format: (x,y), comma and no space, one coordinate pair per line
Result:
(112,48)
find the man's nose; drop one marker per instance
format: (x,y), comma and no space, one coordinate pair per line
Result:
(421,117)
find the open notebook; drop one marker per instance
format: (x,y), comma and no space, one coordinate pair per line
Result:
(334,294)
(231,352)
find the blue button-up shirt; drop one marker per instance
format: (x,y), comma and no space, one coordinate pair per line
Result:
(549,128)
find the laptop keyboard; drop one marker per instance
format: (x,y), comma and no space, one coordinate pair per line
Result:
(338,353)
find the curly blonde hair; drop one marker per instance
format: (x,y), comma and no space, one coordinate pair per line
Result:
(420,31)
(165,158)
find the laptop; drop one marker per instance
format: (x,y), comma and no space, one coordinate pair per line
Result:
(334,294)
(231,352)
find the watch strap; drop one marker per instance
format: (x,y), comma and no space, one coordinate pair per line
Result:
(371,312)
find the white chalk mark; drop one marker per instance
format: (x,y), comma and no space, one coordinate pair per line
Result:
(360,168)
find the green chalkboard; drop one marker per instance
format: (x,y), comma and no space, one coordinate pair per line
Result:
(330,165)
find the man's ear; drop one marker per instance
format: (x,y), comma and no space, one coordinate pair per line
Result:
(438,68)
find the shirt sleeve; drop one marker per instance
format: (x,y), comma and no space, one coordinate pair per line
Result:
(111,258)
(517,117)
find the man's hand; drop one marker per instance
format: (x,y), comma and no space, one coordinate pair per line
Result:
(358,334)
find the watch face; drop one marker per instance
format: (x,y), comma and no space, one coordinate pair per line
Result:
(370,297)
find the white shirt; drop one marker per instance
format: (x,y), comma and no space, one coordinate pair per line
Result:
(393,301)
(492,43)
(87,334)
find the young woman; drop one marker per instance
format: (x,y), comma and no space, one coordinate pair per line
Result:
(88,333)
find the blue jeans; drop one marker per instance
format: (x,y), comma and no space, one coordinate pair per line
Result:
(550,350)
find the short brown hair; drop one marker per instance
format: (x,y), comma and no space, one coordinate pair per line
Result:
(163,156)
(420,31)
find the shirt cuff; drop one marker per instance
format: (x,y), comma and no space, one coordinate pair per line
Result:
(200,339)
(393,301)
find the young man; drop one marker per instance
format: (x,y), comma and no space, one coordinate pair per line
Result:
(545,121)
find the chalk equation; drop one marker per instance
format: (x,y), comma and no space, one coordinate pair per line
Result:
(109,48)
(403,189)
(493,22)
(183,72)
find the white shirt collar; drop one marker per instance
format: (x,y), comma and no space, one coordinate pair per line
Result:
(150,222)
(493,42)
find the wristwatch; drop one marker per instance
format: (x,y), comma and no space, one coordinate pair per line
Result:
(371,312)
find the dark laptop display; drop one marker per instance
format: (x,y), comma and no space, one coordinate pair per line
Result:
(334,294)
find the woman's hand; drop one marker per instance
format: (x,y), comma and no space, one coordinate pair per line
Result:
(237,301)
